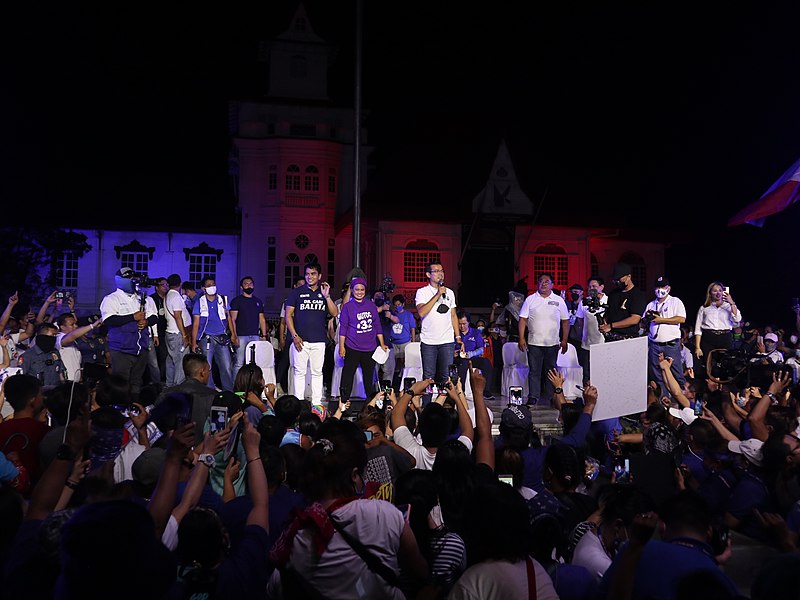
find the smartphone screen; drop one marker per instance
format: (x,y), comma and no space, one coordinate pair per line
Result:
(515,394)
(219,418)
(433,389)
(453,374)
(368,435)
(386,385)
(622,470)
(506,479)
(408,382)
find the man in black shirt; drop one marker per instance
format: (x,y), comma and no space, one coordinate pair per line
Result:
(626,306)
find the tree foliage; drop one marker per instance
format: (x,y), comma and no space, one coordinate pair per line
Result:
(32,255)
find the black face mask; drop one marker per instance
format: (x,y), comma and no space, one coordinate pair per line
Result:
(247,291)
(574,295)
(46,343)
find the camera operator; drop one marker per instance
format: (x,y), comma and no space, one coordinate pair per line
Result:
(387,320)
(664,317)
(128,317)
(588,318)
(626,304)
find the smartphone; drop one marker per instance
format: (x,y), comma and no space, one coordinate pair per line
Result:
(368,435)
(232,447)
(219,418)
(622,469)
(408,382)
(434,390)
(453,372)
(386,386)
(727,290)
(509,479)
(698,407)
(515,394)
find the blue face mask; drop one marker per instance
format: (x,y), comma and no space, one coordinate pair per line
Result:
(399,308)
(126,285)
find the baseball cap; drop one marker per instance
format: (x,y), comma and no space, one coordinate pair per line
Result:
(125,272)
(620,270)
(661,281)
(750,449)
(516,416)
(771,337)
(146,469)
(684,414)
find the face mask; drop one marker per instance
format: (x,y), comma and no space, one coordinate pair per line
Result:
(661,292)
(481,329)
(247,291)
(211,290)
(574,295)
(770,346)
(46,343)
(793,339)
(399,308)
(126,285)
(503,333)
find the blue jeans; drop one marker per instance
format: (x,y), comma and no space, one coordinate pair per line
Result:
(436,361)
(240,352)
(221,354)
(176,350)
(540,359)
(673,352)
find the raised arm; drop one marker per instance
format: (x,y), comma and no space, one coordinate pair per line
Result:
(256,477)
(484,444)
(163,500)
(672,384)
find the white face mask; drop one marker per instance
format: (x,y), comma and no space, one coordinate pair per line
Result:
(211,290)
(661,292)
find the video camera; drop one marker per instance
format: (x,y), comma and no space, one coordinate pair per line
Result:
(143,280)
(648,318)
(738,367)
(592,302)
(387,288)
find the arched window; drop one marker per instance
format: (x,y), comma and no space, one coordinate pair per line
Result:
(291,270)
(416,256)
(311,183)
(553,259)
(293,177)
(310,258)
(638,268)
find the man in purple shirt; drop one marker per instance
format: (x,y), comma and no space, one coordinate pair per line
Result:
(360,332)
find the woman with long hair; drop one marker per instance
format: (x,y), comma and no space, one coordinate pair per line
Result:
(713,328)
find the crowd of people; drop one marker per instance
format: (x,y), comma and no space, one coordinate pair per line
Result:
(184,473)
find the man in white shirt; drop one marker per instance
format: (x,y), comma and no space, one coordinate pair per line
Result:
(68,333)
(665,315)
(541,313)
(178,331)
(591,307)
(439,333)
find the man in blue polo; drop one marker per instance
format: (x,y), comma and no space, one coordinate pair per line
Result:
(210,331)
(307,310)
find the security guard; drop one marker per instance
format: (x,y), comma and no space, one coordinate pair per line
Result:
(42,360)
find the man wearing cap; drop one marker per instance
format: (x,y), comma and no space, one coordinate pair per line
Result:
(770,353)
(626,305)
(750,490)
(546,318)
(128,317)
(439,334)
(664,315)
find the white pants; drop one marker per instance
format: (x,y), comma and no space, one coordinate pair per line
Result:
(313,353)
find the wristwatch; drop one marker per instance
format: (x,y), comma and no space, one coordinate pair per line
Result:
(558,391)
(409,391)
(207,460)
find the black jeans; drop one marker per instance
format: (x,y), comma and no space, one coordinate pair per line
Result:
(352,360)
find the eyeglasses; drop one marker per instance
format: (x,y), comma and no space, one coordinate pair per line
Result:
(436,271)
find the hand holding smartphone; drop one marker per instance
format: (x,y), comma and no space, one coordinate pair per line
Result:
(515,395)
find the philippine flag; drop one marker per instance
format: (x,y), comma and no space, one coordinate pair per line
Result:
(783,193)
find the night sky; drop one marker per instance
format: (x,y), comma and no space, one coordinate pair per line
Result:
(665,118)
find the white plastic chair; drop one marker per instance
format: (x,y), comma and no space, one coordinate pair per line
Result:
(336,380)
(568,365)
(265,358)
(515,369)
(413,364)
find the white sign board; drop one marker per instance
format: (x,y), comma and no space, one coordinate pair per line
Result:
(619,372)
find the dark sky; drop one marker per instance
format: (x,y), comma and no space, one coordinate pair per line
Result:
(662,116)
